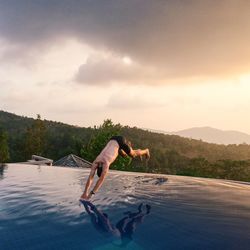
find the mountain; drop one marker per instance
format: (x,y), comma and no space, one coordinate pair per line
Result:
(213,135)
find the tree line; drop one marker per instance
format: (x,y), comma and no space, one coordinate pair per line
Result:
(20,137)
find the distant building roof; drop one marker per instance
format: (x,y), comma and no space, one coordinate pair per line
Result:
(72,161)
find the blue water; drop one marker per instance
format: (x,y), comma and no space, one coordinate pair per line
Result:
(39,209)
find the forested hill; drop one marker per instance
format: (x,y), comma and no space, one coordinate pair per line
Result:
(169,153)
(60,139)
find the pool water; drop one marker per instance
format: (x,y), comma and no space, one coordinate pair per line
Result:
(40,209)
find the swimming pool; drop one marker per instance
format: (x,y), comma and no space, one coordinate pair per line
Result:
(39,209)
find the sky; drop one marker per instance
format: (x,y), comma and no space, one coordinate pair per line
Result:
(163,64)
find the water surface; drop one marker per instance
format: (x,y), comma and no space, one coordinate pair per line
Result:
(39,209)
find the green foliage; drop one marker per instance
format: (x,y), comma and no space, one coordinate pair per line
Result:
(64,139)
(4,149)
(35,138)
(222,169)
(60,138)
(98,141)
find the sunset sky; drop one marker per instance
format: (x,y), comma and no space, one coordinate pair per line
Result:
(166,65)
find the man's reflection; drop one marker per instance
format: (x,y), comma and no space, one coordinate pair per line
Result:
(124,228)
(128,224)
(100,220)
(2,169)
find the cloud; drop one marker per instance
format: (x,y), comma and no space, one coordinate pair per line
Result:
(113,69)
(180,38)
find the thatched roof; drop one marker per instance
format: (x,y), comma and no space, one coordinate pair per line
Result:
(72,161)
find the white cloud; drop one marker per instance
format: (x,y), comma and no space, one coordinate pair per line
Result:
(110,68)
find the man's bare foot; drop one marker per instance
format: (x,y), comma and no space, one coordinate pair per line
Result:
(147,154)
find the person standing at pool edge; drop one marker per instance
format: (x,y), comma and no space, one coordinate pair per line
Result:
(117,145)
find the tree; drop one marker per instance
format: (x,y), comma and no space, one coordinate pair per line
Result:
(4,149)
(35,138)
(101,136)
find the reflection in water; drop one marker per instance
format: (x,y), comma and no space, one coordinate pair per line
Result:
(39,169)
(100,220)
(3,167)
(128,224)
(124,228)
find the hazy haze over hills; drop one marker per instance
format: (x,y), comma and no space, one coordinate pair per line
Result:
(213,135)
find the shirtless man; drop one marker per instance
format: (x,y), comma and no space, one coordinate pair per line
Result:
(116,145)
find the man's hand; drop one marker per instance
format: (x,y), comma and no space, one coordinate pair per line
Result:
(84,197)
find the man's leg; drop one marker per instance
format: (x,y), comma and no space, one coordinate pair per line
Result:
(140,153)
(105,168)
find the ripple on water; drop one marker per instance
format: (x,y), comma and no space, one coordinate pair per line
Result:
(39,209)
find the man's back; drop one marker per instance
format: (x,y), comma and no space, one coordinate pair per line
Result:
(109,153)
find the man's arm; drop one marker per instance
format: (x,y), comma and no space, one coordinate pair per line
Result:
(89,182)
(122,153)
(100,180)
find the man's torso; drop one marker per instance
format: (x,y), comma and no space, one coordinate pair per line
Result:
(109,153)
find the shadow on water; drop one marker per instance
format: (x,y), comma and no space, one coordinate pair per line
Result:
(123,229)
(3,167)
